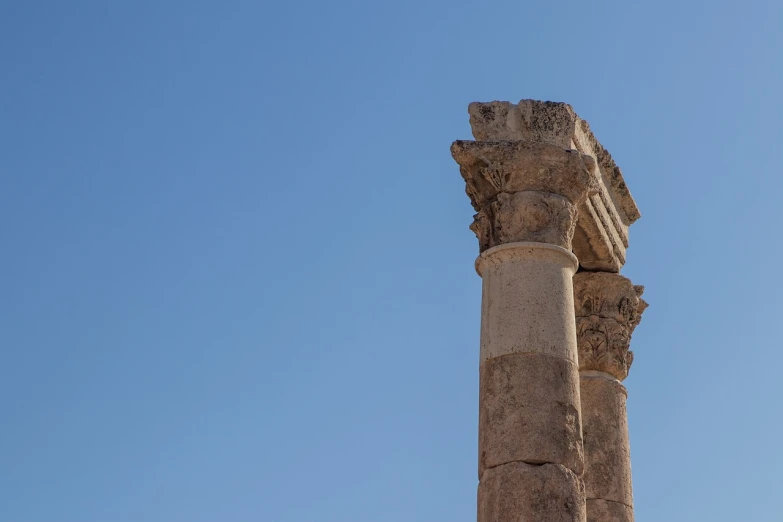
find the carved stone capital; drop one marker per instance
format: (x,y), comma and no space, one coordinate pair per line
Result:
(524,191)
(608,308)
(601,237)
(542,217)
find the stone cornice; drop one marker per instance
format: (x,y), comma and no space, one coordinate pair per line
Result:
(492,167)
(601,236)
(608,308)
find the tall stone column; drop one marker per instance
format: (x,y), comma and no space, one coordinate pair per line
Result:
(608,308)
(526,196)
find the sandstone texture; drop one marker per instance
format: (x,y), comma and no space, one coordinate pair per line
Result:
(519,492)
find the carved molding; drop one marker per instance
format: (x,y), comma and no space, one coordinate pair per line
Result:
(526,216)
(608,308)
(556,123)
(601,238)
(524,191)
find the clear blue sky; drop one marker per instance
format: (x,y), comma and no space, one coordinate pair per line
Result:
(238,278)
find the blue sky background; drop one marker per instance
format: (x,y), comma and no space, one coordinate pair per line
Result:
(238,278)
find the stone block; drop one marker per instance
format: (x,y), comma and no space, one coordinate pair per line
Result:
(607,449)
(527,301)
(520,492)
(605,511)
(529,412)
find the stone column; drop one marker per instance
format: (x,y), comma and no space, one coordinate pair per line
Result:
(526,196)
(608,308)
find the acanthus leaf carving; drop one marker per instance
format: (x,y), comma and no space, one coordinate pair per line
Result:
(494,173)
(608,309)
(524,190)
(525,216)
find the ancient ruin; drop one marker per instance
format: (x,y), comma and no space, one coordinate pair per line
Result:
(552,218)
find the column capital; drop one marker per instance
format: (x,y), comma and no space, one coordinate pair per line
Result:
(601,237)
(524,191)
(608,308)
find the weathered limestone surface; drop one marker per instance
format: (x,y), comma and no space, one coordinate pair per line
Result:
(601,236)
(527,195)
(526,293)
(531,399)
(492,167)
(519,492)
(605,430)
(554,345)
(608,307)
(605,511)
(524,191)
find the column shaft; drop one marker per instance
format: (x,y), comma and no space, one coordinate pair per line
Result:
(542,185)
(530,440)
(526,196)
(607,449)
(608,307)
